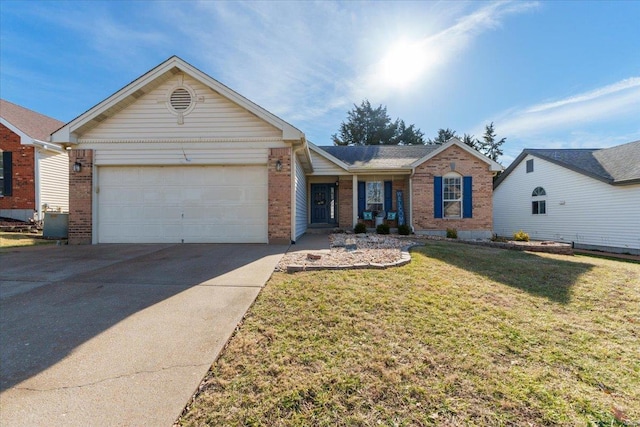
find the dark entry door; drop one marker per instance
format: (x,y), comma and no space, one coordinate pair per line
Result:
(322,203)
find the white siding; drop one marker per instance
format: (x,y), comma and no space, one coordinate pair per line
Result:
(53,169)
(322,166)
(213,116)
(301,200)
(579,209)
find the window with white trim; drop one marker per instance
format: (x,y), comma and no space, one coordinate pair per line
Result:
(375,196)
(452,195)
(538,204)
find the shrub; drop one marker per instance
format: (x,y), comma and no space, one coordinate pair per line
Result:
(404,230)
(382,229)
(452,233)
(521,236)
(360,228)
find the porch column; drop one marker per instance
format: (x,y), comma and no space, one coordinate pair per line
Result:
(355,200)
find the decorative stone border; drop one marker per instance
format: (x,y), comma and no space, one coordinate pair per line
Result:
(405,258)
(544,246)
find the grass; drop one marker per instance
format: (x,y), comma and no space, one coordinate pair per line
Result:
(10,239)
(463,335)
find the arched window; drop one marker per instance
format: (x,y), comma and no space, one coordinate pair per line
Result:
(452,195)
(538,204)
(539,191)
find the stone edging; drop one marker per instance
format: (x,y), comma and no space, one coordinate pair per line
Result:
(405,258)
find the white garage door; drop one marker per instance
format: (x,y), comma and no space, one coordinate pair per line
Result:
(182,204)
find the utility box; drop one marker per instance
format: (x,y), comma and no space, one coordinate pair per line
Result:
(56,225)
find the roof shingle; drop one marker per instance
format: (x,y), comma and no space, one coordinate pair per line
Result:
(35,125)
(379,156)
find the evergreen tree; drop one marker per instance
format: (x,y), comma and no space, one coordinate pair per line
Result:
(373,126)
(471,141)
(489,146)
(443,136)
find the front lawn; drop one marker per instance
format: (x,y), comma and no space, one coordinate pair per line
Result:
(463,335)
(12,239)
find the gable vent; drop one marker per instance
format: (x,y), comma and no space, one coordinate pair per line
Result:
(180,100)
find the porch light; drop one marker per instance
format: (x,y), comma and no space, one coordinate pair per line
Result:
(278,165)
(77,167)
(337,183)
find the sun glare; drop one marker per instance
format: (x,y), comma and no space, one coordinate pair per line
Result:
(403,64)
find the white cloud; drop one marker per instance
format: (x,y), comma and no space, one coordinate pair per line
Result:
(611,102)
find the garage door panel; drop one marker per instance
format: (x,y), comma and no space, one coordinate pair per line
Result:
(187,203)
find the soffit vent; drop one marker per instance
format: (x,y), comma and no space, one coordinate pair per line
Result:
(180,100)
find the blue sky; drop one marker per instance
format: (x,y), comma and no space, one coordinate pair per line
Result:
(548,74)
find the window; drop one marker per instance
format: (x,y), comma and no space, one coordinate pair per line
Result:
(452,196)
(375,196)
(538,204)
(529,165)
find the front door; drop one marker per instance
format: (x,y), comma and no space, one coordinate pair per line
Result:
(323,204)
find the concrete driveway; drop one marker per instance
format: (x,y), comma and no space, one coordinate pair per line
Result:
(118,334)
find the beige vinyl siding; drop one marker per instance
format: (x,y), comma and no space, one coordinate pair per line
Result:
(322,166)
(53,169)
(578,208)
(301,200)
(176,154)
(212,116)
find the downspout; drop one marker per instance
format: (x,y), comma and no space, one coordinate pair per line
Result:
(413,172)
(39,215)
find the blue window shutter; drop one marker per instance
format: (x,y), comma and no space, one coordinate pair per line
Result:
(467,197)
(437,197)
(7,173)
(388,197)
(362,197)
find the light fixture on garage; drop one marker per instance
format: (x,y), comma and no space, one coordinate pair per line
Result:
(77,167)
(278,165)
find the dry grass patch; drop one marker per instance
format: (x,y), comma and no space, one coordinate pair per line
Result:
(463,335)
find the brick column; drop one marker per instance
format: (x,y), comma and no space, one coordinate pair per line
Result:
(279,188)
(345,203)
(80,198)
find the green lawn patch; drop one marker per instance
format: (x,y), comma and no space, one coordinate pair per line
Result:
(463,335)
(11,239)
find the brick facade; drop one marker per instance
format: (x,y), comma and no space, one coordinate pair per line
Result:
(423,194)
(80,198)
(23,194)
(279,188)
(345,203)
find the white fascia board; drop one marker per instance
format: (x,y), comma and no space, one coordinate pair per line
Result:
(493,165)
(328,156)
(49,146)
(24,138)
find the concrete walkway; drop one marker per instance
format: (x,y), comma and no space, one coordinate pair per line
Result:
(118,335)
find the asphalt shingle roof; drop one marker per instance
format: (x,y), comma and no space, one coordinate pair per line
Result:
(36,125)
(379,156)
(614,165)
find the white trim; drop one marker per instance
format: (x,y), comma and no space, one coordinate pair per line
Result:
(174,140)
(24,138)
(328,156)
(493,166)
(66,133)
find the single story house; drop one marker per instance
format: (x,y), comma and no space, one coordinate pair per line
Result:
(34,173)
(176,156)
(588,197)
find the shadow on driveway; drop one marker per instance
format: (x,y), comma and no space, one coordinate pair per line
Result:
(52,300)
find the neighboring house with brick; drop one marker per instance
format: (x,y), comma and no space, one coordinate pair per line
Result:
(34,173)
(176,156)
(588,197)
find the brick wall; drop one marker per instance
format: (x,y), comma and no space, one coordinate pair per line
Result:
(465,165)
(345,203)
(401,184)
(279,189)
(23,161)
(80,198)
